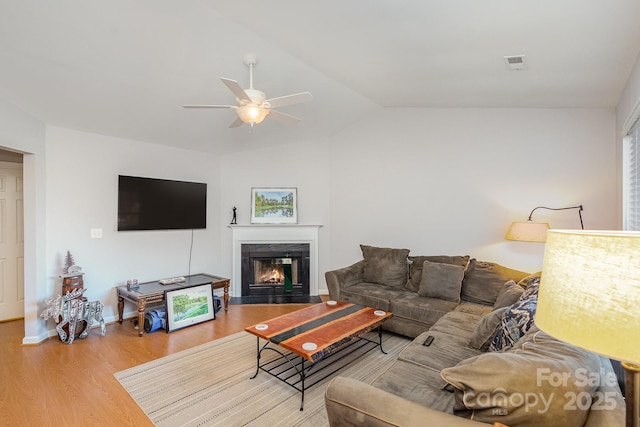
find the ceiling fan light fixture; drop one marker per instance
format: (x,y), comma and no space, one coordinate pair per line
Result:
(252,106)
(252,114)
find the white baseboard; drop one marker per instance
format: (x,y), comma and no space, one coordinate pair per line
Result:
(35,340)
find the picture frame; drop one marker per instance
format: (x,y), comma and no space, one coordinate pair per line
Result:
(188,306)
(274,205)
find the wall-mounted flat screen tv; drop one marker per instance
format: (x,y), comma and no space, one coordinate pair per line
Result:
(160,204)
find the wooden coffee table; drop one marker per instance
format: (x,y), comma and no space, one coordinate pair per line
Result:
(315,340)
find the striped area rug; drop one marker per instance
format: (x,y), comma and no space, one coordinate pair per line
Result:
(210,385)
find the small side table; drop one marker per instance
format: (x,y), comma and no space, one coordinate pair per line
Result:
(152,292)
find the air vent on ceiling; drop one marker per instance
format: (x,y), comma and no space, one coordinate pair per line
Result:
(515,62)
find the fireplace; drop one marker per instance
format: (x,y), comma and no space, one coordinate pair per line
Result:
(274,272)
(291,235)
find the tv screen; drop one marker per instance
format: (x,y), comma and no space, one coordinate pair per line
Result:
(160,204)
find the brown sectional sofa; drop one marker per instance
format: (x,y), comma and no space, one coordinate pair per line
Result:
(367,282)
(456,381)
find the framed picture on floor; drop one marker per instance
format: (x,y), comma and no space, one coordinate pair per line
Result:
(189,306)
(274,206)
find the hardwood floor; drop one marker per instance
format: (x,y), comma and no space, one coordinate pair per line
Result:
(73,385)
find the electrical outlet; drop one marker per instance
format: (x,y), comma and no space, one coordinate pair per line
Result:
(96,233)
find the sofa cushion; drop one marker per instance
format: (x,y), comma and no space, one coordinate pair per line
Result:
(509,294)
(423,386)
(444,352)
(417,263)
(457,324)
(372,295)
(541,383)
(386,266)
(483,334)
(515,322)
(410,305)
(484,280)
(442,281)
(471,308)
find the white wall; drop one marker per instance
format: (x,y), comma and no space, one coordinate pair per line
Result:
(82,179)
(450,181)
(627,112)
(25,134)
(303,165)
(441,181)
(629,105)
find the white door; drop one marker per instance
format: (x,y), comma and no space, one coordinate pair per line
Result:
(11,242)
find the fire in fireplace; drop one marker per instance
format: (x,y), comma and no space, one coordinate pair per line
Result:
(275,269)
(273,275)
(272,271)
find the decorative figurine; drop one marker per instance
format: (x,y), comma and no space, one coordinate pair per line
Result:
(71,275)
(234,218)
(71,309)
(68,262)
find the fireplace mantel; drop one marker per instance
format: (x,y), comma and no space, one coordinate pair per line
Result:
(274,233)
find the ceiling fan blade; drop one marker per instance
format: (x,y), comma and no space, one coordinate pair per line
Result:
(236,123)
(284,118)
(236,89)
(208,106)
(296,98)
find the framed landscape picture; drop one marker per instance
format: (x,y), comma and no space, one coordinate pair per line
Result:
(274,206)
(188,306)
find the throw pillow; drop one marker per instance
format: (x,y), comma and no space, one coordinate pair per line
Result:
(525,281)
(515,322)
(481,338)
(509,294)
(539,384)
(484,280)
(417,262)
(441,281)
(385,266)
(532,289)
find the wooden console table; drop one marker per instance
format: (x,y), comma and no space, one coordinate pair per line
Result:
(151,292)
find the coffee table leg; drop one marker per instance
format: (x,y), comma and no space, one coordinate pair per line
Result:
(380,339)
(300,371)
(302,383)
(257,358)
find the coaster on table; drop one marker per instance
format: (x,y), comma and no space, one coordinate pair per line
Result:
(379,313)
(309,346)
(332,302)
(262,327)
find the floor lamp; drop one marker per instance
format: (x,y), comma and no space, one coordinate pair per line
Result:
(531,231)
(590,296)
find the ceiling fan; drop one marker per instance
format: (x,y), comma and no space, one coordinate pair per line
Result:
(253,107)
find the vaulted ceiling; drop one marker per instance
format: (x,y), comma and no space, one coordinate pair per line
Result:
(124,68)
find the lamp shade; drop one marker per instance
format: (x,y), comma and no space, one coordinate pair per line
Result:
(528,231)
(251,113)
(590,291)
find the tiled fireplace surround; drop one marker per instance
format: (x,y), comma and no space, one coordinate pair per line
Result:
(274,234)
